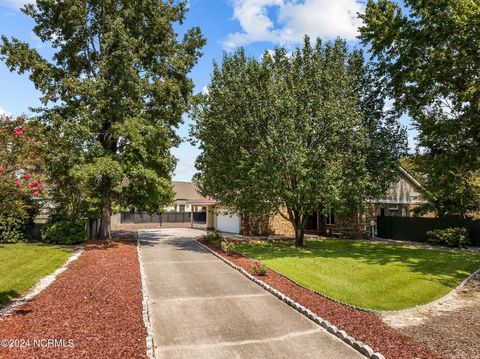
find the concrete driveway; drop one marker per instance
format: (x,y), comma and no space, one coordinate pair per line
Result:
(202,308)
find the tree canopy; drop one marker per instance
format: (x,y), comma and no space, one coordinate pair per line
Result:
(301,131)
(113,94)
(430,57)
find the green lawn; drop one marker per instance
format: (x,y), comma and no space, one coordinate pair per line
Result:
(22,265)
(367,275)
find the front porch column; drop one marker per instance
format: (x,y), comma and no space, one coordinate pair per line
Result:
(191,216)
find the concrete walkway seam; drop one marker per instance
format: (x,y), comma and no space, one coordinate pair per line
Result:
(361,347)
(145,310)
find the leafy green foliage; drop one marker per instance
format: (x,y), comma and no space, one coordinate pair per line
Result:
(258,268)
(429,55)
(12,228)
(211,237)
(21,176)
(64,232)
(113,94)
(451,237)
(227,246)
(299,131)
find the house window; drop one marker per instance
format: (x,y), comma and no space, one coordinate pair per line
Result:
(404,212)
(181,208)
(330,219)
(393,207)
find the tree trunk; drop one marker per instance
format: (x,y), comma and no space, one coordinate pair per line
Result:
(105,210)
(299,235)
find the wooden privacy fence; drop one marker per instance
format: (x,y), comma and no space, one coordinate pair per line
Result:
(415,228)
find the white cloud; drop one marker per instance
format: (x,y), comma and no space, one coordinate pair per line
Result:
(285,22)
(4,112)
(16,4)
(205,90)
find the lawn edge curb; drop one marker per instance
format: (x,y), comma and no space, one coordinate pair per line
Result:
(145,308)
(42,284)
(364,349)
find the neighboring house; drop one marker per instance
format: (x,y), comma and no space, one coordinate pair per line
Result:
(187,198)
(403,196)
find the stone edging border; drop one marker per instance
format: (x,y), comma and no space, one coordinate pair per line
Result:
(145,311)
(385,312)
(41,285)
(364,349)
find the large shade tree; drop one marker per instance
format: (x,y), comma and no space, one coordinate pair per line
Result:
(430,56)
(113,93)
(301,132)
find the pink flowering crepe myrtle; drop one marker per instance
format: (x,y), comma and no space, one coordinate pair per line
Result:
(25,180)
(34,185)
(18,132)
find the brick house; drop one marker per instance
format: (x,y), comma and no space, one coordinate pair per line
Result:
(402,197)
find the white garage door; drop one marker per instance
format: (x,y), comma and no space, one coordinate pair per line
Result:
(229,223)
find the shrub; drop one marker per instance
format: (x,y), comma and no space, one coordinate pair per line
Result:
(451,237)
(212,236)
(258,268)
(64,232)
(228,247)
(12,228)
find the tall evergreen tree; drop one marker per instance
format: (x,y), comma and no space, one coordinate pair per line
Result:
(113,94)
(292,132)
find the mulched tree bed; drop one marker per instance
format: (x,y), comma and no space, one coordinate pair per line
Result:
(96,303)
(363,326)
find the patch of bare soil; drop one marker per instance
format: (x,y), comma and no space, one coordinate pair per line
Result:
(452,327)
(92,310)
(364,326)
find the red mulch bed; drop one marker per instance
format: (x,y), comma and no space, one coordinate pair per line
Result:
(96,302)
(361,325)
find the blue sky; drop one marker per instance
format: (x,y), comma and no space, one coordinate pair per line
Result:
(258,25)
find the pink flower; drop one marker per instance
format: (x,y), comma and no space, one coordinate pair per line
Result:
(34,184)
(26,176)
(18,183)
(18,132)
(36,194)
(41,186)
(2,169)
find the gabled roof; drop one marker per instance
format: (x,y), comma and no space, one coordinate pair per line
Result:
(187,191)
(410,177)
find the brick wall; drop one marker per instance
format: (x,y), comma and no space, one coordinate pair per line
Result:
(280,226)
(254,226)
